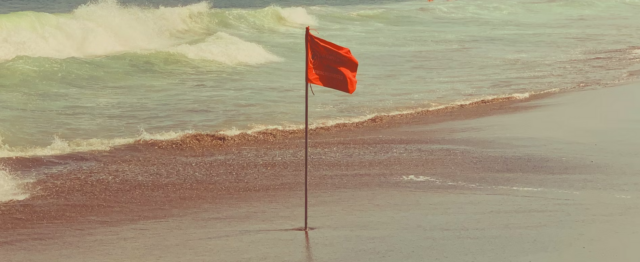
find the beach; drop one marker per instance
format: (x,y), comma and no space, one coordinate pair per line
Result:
(156,130)
(546,178)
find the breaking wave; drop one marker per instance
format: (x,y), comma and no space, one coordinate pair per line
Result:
(10,187)
(107,27)
(226,49)
(60,146)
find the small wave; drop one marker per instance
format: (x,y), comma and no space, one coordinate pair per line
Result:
(297,16)
(622,196)
(420,178)
(226,49)
(439,181)
(11,187)
(368,13)
(322,123)
(270,18)
(469,185)
(60,146)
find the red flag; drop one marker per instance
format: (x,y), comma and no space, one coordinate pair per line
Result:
(330,65)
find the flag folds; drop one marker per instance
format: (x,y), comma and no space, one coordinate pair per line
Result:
(330,65)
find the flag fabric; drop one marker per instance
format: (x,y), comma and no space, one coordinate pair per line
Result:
(330,65)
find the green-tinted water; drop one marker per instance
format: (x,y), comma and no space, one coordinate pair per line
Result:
(100,74)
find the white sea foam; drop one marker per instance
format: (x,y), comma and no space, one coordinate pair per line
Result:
(420,178)
(368,13)
(60,146)
(336,121)
(107,27)
(227,49)
(471,185)
(622,196)
(297,16)
(97,29)
(10,187)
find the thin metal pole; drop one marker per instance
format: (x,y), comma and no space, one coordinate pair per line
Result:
(306,153)
(306,128)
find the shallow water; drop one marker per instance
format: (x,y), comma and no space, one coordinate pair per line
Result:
(76,76)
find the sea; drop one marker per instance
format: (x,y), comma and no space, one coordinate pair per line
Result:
(80,75)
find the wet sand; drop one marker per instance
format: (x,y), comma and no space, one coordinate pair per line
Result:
(552,178)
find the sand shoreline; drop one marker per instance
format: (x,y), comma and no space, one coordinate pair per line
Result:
(404,186)
(59,169)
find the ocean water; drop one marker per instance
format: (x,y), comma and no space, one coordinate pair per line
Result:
(77,75)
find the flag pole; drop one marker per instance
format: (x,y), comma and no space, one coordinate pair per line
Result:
(306,126)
